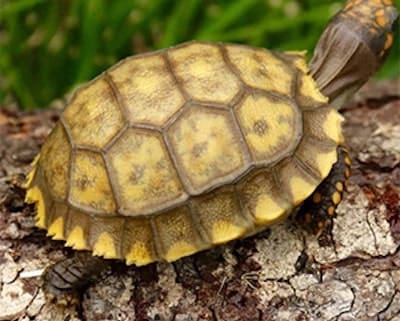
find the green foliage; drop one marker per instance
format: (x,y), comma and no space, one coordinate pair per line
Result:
(48,47)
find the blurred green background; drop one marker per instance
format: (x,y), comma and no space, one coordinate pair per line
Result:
(48,47)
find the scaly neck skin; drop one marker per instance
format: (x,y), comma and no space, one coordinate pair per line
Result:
(352,48)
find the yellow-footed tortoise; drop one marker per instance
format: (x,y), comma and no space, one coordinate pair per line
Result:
(172,152)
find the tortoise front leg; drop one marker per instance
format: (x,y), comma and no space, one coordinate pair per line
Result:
(318,210)
(65,281)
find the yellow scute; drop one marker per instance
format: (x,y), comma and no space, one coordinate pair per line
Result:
(93,115)
(261,69)
(105,246)
(29,178)
(178,250)
(206,146)
(224,231)
(145,175)
(299,60)
(76,239)
(325,161)
(34,195)
(55,161)
(203,73)
(139,255)
(56,229)
(90,184)
(149,91)
(300,189)
(309,88)
(267,210)
(332,126)
(32,173)
(270,126)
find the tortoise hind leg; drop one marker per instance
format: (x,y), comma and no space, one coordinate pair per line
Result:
(318,210)
(64,281)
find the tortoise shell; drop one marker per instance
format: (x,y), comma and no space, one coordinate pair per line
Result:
(172,152)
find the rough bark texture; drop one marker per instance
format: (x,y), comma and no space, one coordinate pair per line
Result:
(282,274)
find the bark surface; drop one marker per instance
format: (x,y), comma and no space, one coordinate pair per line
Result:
(352,273)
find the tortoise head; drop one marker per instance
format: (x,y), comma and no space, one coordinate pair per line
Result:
(352,48)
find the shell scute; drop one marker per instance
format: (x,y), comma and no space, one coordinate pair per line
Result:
(203,74)
(93,104)
(56,221)
(296,180)
(147,82)
(55,161)
(90,185)
(207,147)
(324,124)
(104,236)
(139,241)
(263,199)
(177,234)
(260,68)
(271,126)
(316,155)
(220,215)
(78,229)
(145,178)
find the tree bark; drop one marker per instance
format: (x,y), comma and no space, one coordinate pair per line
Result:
(352,273)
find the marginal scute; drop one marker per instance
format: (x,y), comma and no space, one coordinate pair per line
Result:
(267,210)
(296,182)
(105,236)
(177,235)
(138,255)
(145,178)
(325,161)
(203,73)
(147,90)
(300,188)
(105,246)
(260,196)
(180,249)
(76,239)
(93,104)
(77,228)
(56,229)
(56,221)
(317,156)
(207,148)
(220,215)
(271,126)
(54,161)
(31,174)
(333,126)
(224,231)
(34,196)
(138,243)
(259,68)
(324,124)
(298,59)
(308,95)
(90,185)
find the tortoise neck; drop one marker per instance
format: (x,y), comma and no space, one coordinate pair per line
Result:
(341,65)
(351,49)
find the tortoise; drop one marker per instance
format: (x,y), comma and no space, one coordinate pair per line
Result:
(176,151)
